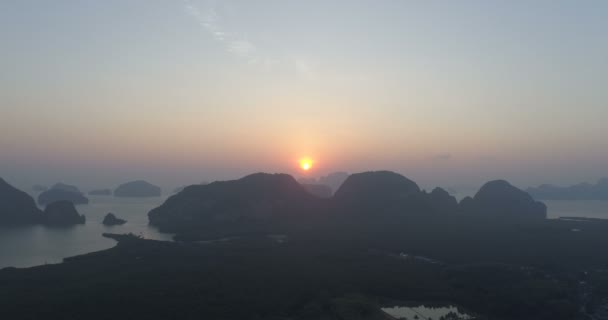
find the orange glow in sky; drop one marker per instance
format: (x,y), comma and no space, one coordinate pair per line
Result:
(306,164)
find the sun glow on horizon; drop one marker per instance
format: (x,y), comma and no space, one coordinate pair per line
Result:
(306,164)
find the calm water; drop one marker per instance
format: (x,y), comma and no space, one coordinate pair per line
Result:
(579,209)
(36,245)
(424,312)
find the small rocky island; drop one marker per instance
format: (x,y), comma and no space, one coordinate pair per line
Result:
(137,189)
(111,220)
(62,213)
(60,192)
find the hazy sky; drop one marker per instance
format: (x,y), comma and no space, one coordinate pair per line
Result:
(444,92)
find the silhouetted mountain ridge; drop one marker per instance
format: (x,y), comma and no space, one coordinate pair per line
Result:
(61,194)
(258,197)
(278,199)
(376,185)
(581,191)
(499,199)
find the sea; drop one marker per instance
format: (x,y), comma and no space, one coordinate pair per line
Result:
(38,245)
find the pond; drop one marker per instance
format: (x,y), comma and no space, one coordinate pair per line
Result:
(426,312)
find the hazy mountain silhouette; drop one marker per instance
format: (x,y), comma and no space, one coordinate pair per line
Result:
(318,190)
(65,187)
(499,199)
(582,191)
(59,194)
(333,180)
(62,213)
(16,206)
(137,189)
(179,189)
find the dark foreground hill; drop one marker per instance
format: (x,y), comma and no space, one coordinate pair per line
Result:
(495,271)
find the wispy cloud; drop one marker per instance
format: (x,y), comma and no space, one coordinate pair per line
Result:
(209,17)
(210,20)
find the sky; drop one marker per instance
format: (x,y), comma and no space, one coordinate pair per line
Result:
(450,93)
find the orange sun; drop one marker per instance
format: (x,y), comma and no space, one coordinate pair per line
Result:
(306,164)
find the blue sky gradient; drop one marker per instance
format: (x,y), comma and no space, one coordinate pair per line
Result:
(445,92)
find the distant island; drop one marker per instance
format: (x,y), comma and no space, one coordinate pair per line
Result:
(581,191)
(65,187)
(137,189)
(19,208)
(61,191)
(111,220)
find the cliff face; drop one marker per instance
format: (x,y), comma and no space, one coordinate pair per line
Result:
(17,207)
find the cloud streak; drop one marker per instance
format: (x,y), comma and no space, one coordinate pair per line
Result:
(210,20)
